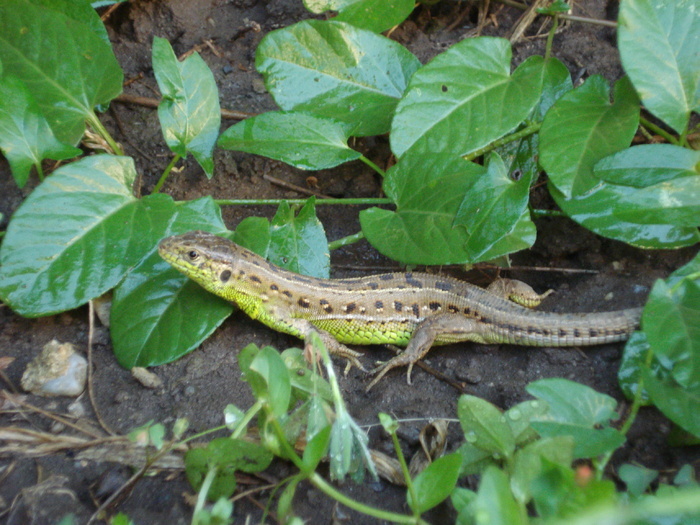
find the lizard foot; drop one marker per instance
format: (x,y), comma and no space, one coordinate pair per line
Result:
(404,359)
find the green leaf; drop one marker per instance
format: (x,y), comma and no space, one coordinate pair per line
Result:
(648,165)
(633,360)
(189,112)
(316,448)
(666,181)
(462,500)
(528,462)
(597,212)
(671,322)
(375,16)
(429,190)
(474,460)
(581,128)
(253,233)
(519,417)
(25,135)
(151,316)
(659,44)
(680,405)
(494,503)
(298,243)
(577,410)
(465,98)
(299,139)
(556,81)
(637,479)
(75,237)
(78,11)
(485,427)
(435,483)
(335,70)
(495,213)
(271,368)
(64,64)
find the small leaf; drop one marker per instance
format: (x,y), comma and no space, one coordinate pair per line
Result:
(633,360)
(271,368)
(520,416)
(581,128)
(298,243)
(494,503)
(435,483)
(466,98)
(571,402)
(299,139)
(680,405)
(68,68)
(25,135)
(484,426)
(335,70)
(189,112)
(375,16)
(316,448)
(637,479)
(659,50)
(528,462)
(253,233)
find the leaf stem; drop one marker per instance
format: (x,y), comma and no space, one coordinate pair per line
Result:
(373,166)
(39,171)
(166,172)
(525,132)
(550,37)
(658,130)
(97,125)
(363,201)
(350,239)
(203,491)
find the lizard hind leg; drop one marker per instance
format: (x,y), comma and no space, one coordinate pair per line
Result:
(446,327)
(517,291)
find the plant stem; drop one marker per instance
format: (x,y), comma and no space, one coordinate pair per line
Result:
(203,491)
(350,239)
(276,202)
(658,130)
(550,37)
(167,171)
(39,171)
(373,165)
(404,468)
(525,132)
(99,127)
(536,212)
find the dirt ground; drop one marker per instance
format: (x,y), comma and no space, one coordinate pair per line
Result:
(40,490)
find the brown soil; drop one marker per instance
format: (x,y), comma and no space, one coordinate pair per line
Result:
(200,385)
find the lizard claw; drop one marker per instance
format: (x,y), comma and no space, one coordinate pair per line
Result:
(382,369)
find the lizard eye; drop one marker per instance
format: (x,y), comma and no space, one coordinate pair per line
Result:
(193,255)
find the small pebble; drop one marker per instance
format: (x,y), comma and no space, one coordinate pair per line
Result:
(146,378)
(57,371)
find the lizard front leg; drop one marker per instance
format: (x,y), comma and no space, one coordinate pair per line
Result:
(457,327)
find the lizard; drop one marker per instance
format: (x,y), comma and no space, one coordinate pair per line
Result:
(411,309)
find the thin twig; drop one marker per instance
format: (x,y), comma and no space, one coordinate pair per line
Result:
(290,186)
(439,375)
(148,102)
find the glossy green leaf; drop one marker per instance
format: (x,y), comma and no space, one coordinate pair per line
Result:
(496,206)
(435,483)
(316,448)
(64,64)
(648,164)
(474,459)
(189,112)
(465,98)
(25,135)
(527,464)
(254,234)
(375,16)
(633,360)
(597,211)
(659,44)
(298,241)
(556,81)
(428,190)
(79,11)
(462,500)
(74,237)
(583,127)
(577,410)
(484,426)
(151,316)
(494,503)
(681,405)
(671,322)
(271,368)
(335,70)
(299,139)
